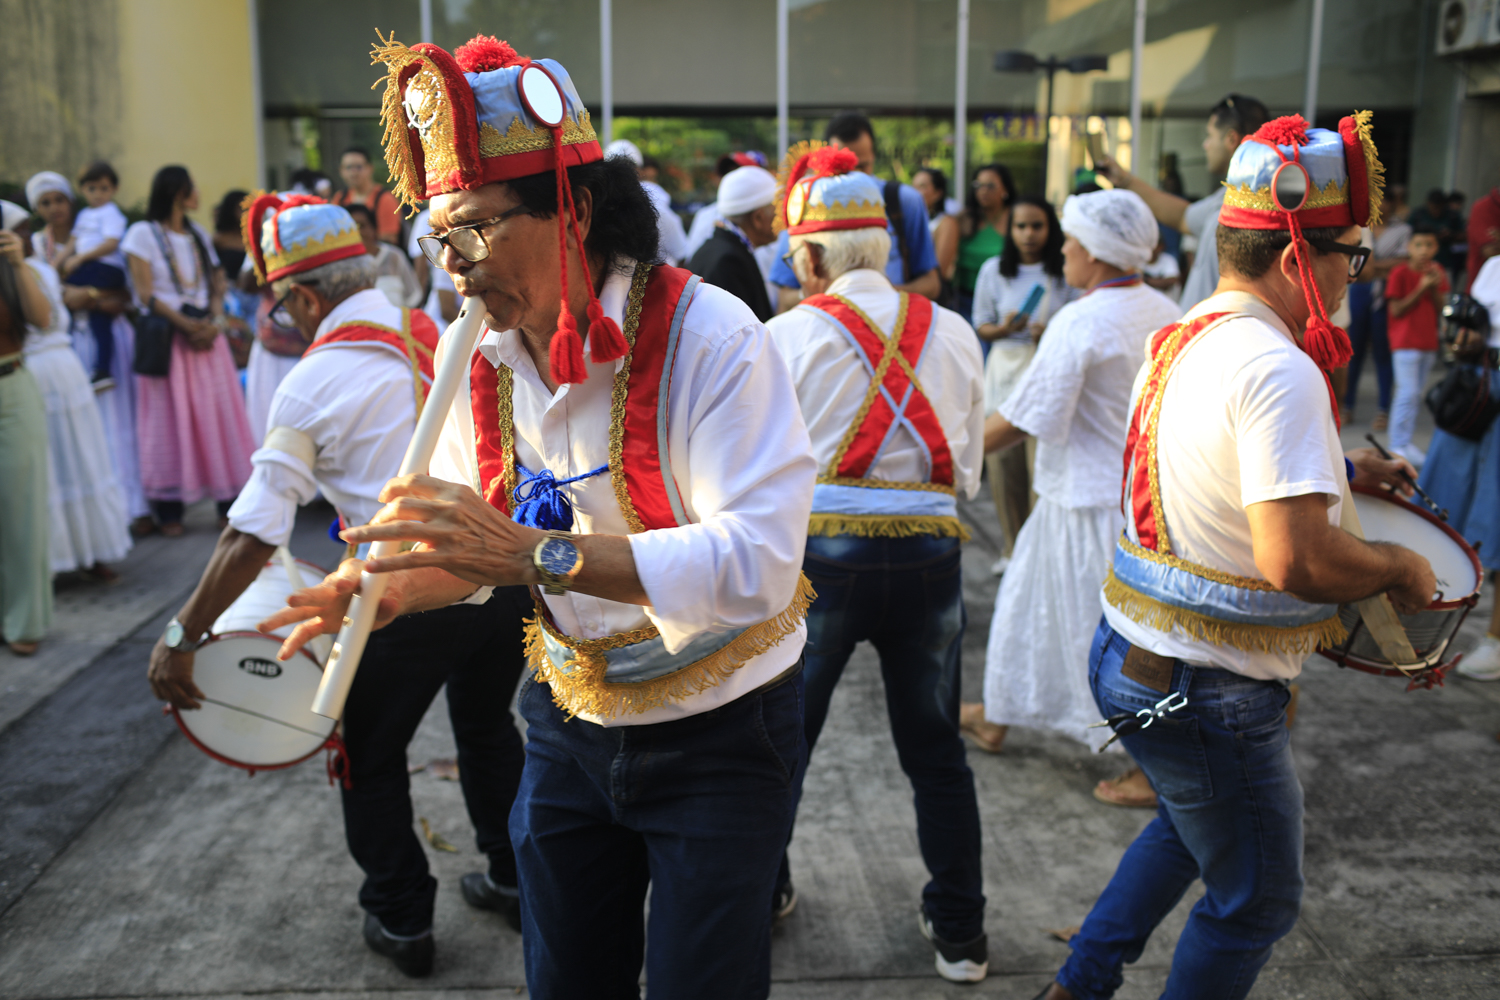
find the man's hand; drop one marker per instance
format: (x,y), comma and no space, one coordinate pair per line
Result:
(460,533)
(1390,474)
(320,609)
(12,250)
(1418,583)
(171,676)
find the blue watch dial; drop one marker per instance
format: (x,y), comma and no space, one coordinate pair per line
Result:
(558,556)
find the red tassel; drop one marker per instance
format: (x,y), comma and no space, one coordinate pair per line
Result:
(1326,344)
(606,342)
(565,354)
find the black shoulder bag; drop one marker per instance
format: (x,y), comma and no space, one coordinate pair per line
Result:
(1464,403)
(153,331)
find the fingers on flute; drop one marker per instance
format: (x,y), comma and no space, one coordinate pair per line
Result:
(412,486)
(407,509)
(301,636)
(400,531)
(415,559)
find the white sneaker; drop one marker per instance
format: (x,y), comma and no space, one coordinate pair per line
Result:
(1001,565)
(1482,663)
(957,963)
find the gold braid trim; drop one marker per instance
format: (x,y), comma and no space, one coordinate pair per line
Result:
(398,158)
(886,484)
(893,340)
(585,691)
(1160,365)
(617,400)
(505,421)
(1364,124)
(886,357)
(1164,617)
(1206,572)
(887,525)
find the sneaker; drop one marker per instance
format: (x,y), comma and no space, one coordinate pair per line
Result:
(784,902)
(957,963)
(1482,663)
(1001,565)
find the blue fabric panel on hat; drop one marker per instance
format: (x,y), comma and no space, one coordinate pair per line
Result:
(308,224)
(1255,163)
(497,102)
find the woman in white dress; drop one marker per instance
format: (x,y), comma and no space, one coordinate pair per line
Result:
(89,525)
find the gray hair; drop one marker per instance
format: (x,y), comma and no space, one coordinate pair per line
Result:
(847,250)
(334,281)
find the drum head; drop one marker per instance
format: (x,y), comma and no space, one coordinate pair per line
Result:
(255,710)
(1454,563)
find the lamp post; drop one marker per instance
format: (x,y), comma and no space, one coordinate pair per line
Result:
(1025,62)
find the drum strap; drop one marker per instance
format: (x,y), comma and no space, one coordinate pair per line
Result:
(1377,612)
(295,443)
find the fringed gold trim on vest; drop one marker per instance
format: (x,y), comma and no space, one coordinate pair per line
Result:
(1248,636)
(585,691)
(887,526)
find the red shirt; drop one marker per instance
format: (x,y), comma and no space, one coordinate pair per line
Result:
(1484,216)
(1417,329)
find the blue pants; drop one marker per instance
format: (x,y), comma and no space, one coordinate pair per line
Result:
(1367,334)
(697,808)
(905,595)
(1230,814)
(101,324)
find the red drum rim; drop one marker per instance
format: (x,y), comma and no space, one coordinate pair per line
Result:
(1426,678)
(1468,600)
(252,768)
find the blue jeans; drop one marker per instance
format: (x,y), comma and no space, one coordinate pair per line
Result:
(697,808)
(101,324)
(1230,813)
(905,595)
(1367,335)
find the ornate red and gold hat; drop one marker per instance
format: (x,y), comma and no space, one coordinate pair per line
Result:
(820,189)
(301,233)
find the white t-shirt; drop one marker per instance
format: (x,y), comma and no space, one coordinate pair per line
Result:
(95,225)
(141,241)
(1075,397)
(1486,291)
(1244,419)
(996,297)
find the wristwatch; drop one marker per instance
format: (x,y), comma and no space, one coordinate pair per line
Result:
(175,638)
(557,561)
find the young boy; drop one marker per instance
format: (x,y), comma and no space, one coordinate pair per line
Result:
(95,261)
(1414,291)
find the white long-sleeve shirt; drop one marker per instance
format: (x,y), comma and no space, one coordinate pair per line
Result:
(832,382)
(739,452)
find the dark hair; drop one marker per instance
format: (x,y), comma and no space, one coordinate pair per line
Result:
(972,210)
(227,214)
(848,126)
(624,218)
(99,170)
(362,151)
(1250,253)
(168,183)
(939,179)
(1052,255)
(1424,230)
(651,162)
(1243,114)
(1457,196)
(359,208)
(726,165)
(1437,194)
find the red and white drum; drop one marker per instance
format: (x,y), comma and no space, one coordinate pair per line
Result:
(256,712)
(1386,518)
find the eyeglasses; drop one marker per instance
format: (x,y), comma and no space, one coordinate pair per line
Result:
(1358,254)
(467,241)
(280,315)
(786,258)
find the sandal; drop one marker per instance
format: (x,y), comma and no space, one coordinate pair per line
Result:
(23,648)
(172,529)
(143,527)
(985,734)
(1381,422)
(1126,791)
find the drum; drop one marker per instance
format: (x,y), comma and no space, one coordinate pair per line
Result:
(1388,518)
(256,709)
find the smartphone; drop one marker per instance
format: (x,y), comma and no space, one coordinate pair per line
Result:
(1033,300)
(1096,147)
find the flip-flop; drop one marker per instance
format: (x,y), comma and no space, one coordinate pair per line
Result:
(987,745)
(1107,791)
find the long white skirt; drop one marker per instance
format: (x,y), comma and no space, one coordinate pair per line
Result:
(262,375)
(1036,671)
(117,407)
(88,517)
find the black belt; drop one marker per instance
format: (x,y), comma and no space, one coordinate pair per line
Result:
(10,367)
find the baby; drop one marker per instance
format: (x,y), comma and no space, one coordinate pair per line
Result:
(93,258)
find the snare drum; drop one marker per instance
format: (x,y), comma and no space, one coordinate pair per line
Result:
(256,712)
(1387,518)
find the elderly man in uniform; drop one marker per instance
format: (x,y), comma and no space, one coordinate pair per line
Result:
(1233,565)
(653,489)
(339,422)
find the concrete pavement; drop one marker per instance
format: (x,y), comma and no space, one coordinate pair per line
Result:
(131,865)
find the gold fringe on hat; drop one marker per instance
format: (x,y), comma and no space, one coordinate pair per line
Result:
(398,159)
(1364,125)
(794,154)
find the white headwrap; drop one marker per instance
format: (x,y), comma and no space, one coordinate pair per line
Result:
(624,148)
(47,180)
(1114,226)
(12,215)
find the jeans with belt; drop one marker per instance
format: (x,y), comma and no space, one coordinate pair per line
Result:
(1230,813)
(698,808)
(905,596)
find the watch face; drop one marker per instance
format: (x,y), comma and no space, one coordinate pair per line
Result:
(558,557)
(174,633)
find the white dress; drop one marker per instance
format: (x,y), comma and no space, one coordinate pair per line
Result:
(1074,398)
(89,523)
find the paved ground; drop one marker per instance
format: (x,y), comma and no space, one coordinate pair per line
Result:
(133,866)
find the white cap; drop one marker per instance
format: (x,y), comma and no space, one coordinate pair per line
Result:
(626,149)
(745,190)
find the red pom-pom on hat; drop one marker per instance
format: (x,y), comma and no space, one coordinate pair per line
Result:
(829,161)
(1289,130)
(483,53)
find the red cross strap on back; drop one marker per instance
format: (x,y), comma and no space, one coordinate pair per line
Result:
(894,364)
(416,341)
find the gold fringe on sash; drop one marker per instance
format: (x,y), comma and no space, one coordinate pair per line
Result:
(1154,614)
(887,526)
(582,689)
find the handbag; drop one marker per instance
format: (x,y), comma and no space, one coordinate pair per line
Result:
(1464,403)
(154,332)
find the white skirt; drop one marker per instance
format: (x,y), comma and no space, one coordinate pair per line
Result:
(1036,671)
(117,407)
(88,514)
(262,375)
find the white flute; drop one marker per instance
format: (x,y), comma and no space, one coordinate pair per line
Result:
(338,672)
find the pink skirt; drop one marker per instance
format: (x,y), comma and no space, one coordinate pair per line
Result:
(194,435)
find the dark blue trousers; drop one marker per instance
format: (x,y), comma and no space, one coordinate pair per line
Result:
(101,324)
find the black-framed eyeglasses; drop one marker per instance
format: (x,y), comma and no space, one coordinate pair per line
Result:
(1358,253)
(467,241)
(786,258)
(280,315)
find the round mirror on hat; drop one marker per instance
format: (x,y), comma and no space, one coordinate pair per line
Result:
(1289,186)
(541,96)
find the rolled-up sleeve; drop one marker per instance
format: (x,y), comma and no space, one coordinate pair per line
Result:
(279,482)
(748,483)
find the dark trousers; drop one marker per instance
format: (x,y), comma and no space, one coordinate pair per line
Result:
(905,595)
(698,808)
(101,324)
(477,651)
(1367,335)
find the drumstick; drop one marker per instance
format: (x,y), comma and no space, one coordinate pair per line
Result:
(1378,613)
(338,672)
(1409,480)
